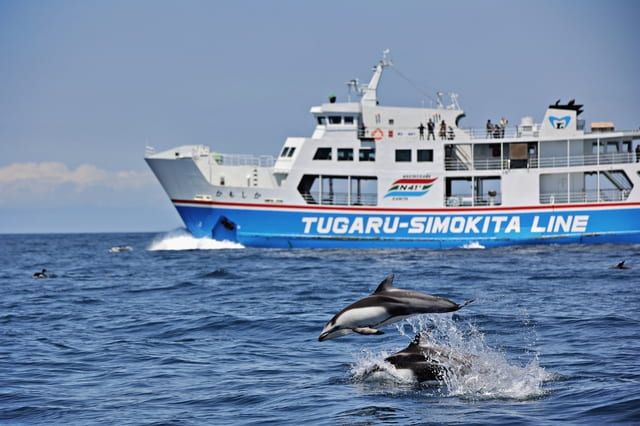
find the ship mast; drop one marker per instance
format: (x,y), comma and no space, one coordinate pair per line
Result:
(370,97)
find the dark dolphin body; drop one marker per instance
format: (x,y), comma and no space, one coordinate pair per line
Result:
(386,305)
(427,363)
(620,265)
(40,275)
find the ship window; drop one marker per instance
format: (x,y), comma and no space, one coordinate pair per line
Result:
(364,191)
(322,120)
(367,154)
(322,154)
(335,119)
(291,151)
(403,155)
(339,190)
(425,155)
(391,121)
(345,154)
(348,119)
(285,151)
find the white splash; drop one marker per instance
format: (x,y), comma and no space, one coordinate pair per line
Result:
(181,239)
(473,245)
(490,375)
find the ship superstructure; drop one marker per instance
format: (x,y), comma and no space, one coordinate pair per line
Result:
(380,176)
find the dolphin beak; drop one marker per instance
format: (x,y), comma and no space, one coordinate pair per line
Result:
(323,336)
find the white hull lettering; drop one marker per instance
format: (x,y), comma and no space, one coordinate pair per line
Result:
(441,225)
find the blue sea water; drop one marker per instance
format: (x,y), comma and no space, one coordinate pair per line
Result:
(180,331)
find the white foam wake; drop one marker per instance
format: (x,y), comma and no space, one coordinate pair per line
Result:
(181,239)
(489,374)
(473,245)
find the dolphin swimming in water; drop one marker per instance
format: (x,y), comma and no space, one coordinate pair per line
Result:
(40,275)
(424,362)
(620,265)
(386,305)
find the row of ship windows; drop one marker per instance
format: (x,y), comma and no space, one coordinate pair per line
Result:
(336,119)
(369,154)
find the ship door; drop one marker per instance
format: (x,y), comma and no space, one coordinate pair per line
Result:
(518,155)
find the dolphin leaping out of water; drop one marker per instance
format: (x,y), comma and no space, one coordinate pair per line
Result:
(425,362)
(386,305)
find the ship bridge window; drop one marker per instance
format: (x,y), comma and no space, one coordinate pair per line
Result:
(335,119)
(322,120)
(345,154)
(322,154)
(348,119)
(291,151)
(285,151)
(425,155)
(403,155)
(367,154)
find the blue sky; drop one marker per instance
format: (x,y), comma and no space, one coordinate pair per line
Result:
(85,85)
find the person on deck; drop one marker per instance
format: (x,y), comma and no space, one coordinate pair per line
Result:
(421,131)
(503,125)
(489,129)
(431,127)
(443,130)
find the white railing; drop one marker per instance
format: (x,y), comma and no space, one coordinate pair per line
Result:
(340,199)
(243,160)
(543,162)
(462,200)
(498,133)
(584,197)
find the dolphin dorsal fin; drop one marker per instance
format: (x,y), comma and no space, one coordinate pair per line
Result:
(416,340)
(385,285)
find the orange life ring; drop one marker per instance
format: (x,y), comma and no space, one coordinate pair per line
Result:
(377,134)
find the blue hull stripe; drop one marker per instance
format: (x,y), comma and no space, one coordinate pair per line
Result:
(281,227)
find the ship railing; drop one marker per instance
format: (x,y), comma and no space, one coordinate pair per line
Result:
(340,199)
(479,164)
(465,200)
(243,160)
(377,132)
(588,160)
(497,133)
(584,196)
(456,164)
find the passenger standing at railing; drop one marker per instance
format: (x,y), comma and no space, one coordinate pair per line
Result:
(443,130)
(638,154)
(489,129)
(431,126)
(503,125)
(421,131)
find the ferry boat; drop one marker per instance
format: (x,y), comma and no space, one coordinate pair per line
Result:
(374,176)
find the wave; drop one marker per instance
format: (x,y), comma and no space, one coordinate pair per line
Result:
(487,375)
(473,245)
(181,239)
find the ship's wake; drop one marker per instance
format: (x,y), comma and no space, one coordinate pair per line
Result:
(486,373)
(181,239)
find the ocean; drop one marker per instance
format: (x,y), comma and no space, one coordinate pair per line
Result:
(188,332)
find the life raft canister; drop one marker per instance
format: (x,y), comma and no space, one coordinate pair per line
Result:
(377,134)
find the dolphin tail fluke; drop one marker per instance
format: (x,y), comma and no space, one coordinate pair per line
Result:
(467,302)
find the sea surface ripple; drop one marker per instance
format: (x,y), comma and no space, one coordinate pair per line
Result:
(181,331)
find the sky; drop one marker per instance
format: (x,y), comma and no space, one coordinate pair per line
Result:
(86,85)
